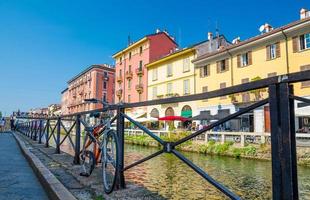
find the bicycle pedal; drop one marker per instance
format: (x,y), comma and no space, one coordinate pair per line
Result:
(84,174)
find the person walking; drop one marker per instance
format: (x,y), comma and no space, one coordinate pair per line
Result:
(2,124)
(12,123)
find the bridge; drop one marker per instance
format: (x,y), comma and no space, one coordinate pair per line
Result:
(283,138)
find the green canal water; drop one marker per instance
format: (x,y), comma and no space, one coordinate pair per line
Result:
(172,179)
(167,175)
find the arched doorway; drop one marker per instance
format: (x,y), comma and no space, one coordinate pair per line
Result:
(186,111)
(169,112)
(169,125)
(154,113)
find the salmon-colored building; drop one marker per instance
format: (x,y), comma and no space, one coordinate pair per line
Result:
(130,70)
(97,81)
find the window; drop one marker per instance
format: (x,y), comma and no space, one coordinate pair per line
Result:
(222,66)
(154,74)
(169,69)
(140,97)
(104,97)
(223,85)
(140,65)
(205,89)
(140,79)
(244,59)
(186,65)
(129,68)
(129,84)
(105,74)
(301,42)
(120,73)
(245,95)
(205,71)
(129,55)
(305,83)
(141,49)
(186,87)
(104,85)
(120,60)
(129,98)
(169,88)
(273,51)
(154,92)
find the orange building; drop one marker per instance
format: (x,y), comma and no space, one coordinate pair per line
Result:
(97,81)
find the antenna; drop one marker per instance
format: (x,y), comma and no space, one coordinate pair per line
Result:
(216,29)
(129,40)
(262,28)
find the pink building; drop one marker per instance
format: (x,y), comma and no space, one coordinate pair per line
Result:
(97,81)
(130,70)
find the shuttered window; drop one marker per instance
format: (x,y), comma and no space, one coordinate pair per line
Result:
(273,51)
(186,88)
(154,74)
(244,59)
(169,70)
(169,88)
(205,71)
(305,83)
(301,42)
(245,95)
(205,89)
(186,65)
(222,66)
(223,85)
(154,92)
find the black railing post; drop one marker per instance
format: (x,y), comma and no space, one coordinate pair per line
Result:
(77,140)
(31,129)
(35,130)
(47,133)
(40,131)
(120,184)
(58,136)
(283,143)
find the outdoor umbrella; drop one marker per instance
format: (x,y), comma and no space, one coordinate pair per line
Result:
(173,118)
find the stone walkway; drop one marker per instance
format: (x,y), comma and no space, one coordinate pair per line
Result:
(17,180)
(82,187)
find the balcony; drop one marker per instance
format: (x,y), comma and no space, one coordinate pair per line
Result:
(119,92)
(74,94)
(119,79)
(139,71)
(139,88)
(128,75)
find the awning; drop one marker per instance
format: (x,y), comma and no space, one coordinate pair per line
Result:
(173,118)
(145,119)
(204,116)
(186,113)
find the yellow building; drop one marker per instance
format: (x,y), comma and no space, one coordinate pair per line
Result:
(274,52)
(174,75)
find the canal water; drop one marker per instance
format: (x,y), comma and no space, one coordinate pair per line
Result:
(172,179)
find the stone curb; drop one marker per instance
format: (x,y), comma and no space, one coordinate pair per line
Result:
(54,188)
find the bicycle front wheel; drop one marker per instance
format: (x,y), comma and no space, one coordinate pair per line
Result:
(110,161)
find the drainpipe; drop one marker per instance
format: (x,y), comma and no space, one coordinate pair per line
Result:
(286,51)
(231,63)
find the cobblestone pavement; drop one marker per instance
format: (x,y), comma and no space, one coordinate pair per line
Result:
(82,187)
(17,180)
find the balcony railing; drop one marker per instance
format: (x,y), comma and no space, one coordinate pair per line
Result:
(139,71)
(129,75)
(139,88)
(172,95)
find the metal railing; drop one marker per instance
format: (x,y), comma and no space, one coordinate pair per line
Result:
(283,138)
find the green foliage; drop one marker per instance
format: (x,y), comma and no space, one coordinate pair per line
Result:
(100,197)
(249,150)
(0,114)
(222,148)
(237,152)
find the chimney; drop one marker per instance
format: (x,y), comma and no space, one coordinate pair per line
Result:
(304,13)
(157,30)
(236,40)
(210,36)
(268,28)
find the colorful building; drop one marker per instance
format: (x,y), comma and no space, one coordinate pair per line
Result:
(97,81)
(274,52)
(131,74)
(174,75)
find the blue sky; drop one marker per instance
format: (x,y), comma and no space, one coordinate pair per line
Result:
(45,43)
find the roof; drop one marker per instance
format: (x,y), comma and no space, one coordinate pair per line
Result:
(143,39)
(64,90)
(274,31)
(181,52)
(98,66)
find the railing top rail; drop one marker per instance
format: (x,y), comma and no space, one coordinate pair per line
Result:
(287,78)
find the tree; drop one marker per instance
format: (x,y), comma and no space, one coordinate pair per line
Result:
(258,92)
(0,114)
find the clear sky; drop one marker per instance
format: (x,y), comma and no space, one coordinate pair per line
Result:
(43,43)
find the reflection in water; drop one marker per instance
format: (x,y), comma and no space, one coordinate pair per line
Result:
(171,178)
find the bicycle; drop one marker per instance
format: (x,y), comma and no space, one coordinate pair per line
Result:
(107,141)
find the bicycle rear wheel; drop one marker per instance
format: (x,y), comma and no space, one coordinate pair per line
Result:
(110,161)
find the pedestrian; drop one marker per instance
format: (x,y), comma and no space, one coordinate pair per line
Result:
(12,123)
(2,124)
